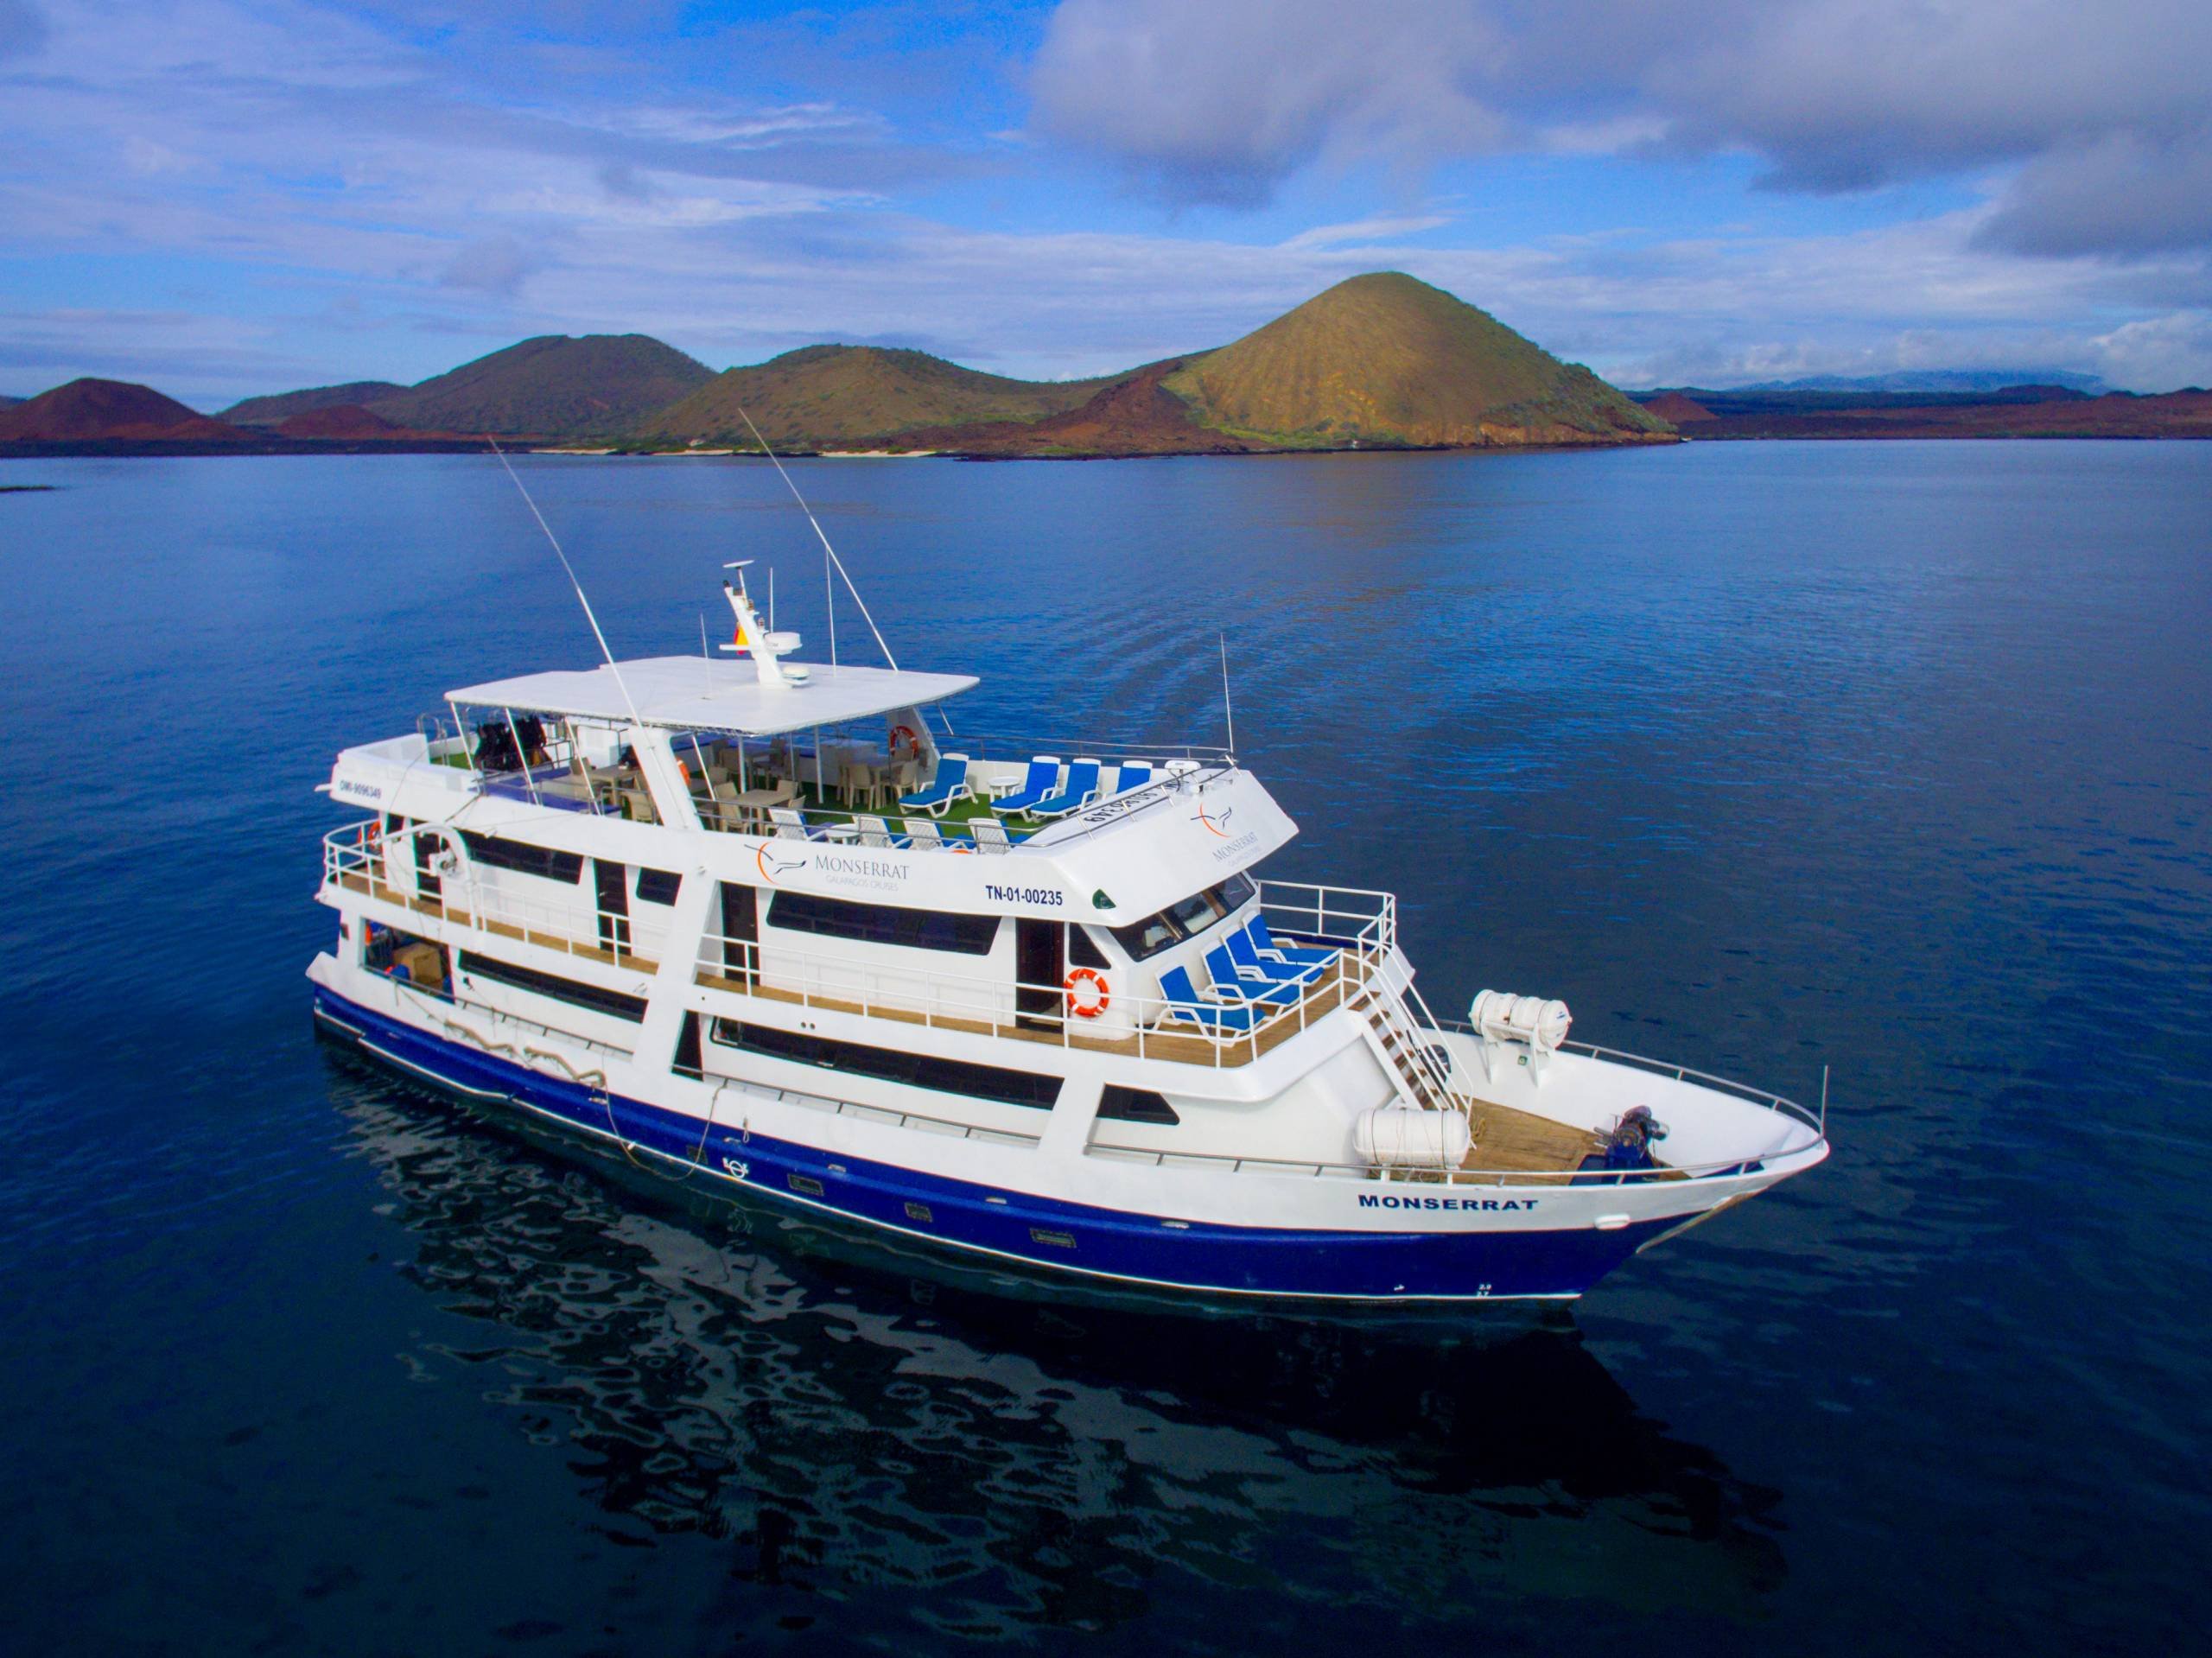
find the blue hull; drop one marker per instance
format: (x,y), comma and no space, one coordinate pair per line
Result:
(1112,1245)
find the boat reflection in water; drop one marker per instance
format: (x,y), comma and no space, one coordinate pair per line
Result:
(851,1421)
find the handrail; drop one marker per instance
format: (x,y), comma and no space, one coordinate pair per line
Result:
(938,998)
(1718,1169)
(1781,1104)
(546,925)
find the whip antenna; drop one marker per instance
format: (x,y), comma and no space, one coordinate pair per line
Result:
(835,560)
(1228,710)
(570,568)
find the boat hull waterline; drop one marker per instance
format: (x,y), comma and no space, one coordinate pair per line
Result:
(1156,1253)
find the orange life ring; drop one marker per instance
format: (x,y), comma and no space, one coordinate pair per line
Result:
(906,735)
(1078,1004)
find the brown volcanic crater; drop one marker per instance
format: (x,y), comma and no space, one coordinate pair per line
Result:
(344,421)
(1677,410)
(111,411)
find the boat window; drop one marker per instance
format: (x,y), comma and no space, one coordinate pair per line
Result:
(1083,949)
(686,1063)
(1119,1104)
(657,886)
(883,923)
(549,984)
(404,956)
(489,852)
(1185,919)
(892,1064)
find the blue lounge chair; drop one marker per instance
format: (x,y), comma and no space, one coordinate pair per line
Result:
(1246,955)
(1296,955)
(1043,778)
(1081,788)
(950,784)
(1185,1003)
(990,835)
(1228,982)
(1134,774)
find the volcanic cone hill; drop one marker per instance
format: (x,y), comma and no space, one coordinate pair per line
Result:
(274,411)
(551,386)
(111,411)
(1386,359)
(852,396)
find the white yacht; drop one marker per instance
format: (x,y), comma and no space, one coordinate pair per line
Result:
(759,923)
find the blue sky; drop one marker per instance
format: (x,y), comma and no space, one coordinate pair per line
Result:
(222,197)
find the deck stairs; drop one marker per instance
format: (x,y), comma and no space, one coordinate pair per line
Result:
(1421,1075)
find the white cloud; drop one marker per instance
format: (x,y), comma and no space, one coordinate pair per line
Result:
(2109,105)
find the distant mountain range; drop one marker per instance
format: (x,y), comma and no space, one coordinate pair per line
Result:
(1941,379)
(1378,361)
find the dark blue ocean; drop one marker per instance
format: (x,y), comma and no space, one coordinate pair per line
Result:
(1890,759)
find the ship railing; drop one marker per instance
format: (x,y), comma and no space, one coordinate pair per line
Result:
(1780,1105)
(1330,915)
(1747,1167)
(357,853)
(999,748)
(445,1008)
(890,1115)
(1145,1026)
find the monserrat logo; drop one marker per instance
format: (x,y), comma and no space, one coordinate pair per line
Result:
(1217,822)
(772,867)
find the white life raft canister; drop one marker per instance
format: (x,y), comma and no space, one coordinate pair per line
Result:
(1400,1137)
(1503,1017)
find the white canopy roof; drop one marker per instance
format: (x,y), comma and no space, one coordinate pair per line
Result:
(686,692)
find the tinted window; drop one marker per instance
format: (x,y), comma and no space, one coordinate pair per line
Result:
(892,1065)
(491,853)
(1185,919)
(882,924)
(657,886)
(549,984)
(1119,1104)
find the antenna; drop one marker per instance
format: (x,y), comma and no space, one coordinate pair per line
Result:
(836,562)
(578,585)
(1228,710)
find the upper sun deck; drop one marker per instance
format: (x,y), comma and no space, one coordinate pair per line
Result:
(699,694)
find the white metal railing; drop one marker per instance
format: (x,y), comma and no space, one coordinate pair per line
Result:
(1744,1167)
(997,1005)
(1780,1105)
(1037,1012)
(358,852)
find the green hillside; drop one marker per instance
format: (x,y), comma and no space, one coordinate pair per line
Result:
(1385,359)
(268,412)
(848,396)
(551,386)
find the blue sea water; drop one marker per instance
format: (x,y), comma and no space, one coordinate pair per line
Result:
(1889,758)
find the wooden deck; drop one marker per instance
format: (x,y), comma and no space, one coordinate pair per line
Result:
(1527,1148)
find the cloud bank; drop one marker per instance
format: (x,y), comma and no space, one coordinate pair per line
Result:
(231,196)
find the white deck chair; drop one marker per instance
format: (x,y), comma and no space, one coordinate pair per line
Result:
(990,835)
(874,832)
